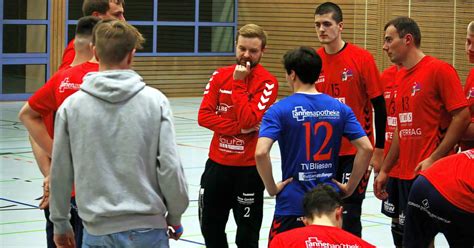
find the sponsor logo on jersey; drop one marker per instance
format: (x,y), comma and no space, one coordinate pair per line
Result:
(392,121)
(299,113)
(231,144)
(346,75)
(314,242)
(312,176)
(415,88)
(223,108)
(410,132)
(405,117)
(66,85)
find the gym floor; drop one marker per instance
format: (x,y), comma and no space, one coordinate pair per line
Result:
(22,224)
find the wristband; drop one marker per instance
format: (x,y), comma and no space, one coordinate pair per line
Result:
(178,229)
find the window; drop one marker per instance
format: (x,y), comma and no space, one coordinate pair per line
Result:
(24,47)
(177,28)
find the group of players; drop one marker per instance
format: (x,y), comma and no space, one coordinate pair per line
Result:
(326,141)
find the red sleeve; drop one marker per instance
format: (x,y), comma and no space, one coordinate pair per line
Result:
(450,88)
(43,101)
(207,116)
(276,242)
(371,76)
(68,56)
(250,110)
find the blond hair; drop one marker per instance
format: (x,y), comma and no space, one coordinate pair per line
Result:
(252,31)
(470,28)
(114,39)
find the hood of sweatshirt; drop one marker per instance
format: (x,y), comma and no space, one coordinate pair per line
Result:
(113,86)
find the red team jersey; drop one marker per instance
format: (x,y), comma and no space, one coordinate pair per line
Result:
(351,77)
(229,106)
(390,93)
(313,236)
(62,84)
(68,55)
(426,94)
(453,177)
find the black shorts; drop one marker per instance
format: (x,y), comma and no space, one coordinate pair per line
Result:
(343,173)
(429,213)
(230,188)
(395,205)
(283,223)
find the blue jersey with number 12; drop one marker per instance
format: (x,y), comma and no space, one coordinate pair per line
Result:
(308,128)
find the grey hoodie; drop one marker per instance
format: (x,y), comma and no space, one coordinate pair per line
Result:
(115,140)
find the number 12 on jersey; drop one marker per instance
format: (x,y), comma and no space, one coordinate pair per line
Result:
(317,127)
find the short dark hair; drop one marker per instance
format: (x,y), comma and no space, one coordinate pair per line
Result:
(101,6)
(305,62)
(329,7)
(85,25)
(405,25)
(321,200)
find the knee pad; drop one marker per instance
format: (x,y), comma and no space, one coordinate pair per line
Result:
(397,234)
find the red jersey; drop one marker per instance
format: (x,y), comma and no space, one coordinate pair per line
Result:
(390,93)
(230,105)
(469,91)
(351,77)
(426,94)
(453,177)
(313,236)
(68,55)
(61,85)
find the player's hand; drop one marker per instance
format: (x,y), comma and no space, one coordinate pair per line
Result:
(175,232)
(241,72)
(380,185)
(65,240)
(377,160)
(252,129)
(423,165)
(345,190)
(45,200)
(279,187)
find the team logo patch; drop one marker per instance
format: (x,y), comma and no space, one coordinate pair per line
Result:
(346,75)
(416,87)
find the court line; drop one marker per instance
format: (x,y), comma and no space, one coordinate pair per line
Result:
(17,202)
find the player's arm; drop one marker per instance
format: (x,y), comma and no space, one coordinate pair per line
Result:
(460,121)
(380,116)
(264,166)
(62,177)
(380,181)
(33,122)
(250,111)
(361,162)
(469,134)
(208,116)
(42,158)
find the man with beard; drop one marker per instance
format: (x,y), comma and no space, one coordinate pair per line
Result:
(233,105)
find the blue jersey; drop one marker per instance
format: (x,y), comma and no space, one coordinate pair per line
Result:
(309,129)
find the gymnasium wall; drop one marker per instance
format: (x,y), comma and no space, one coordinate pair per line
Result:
(290,23)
